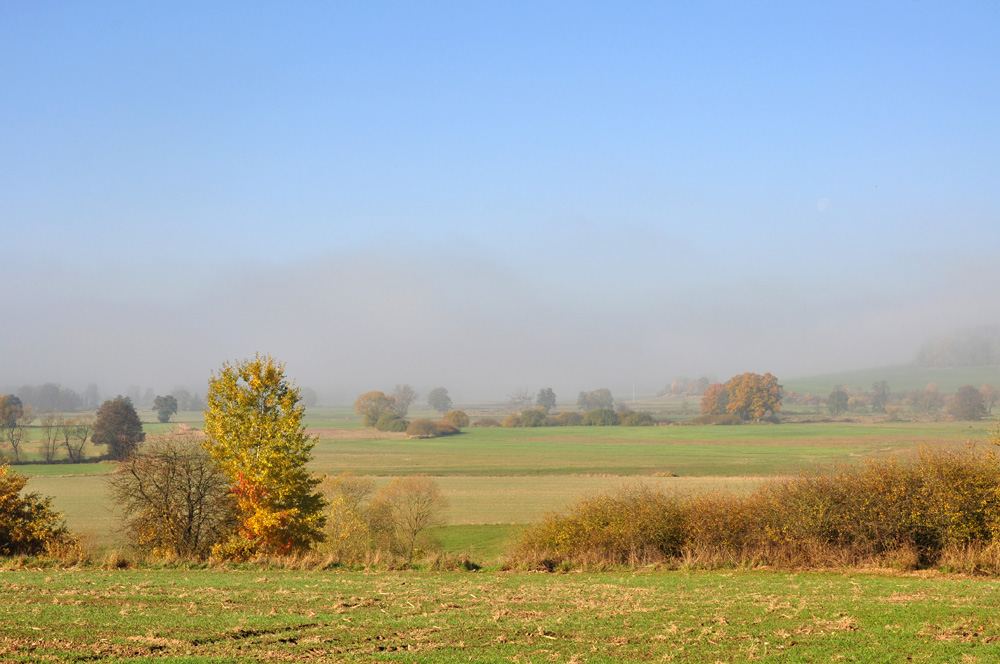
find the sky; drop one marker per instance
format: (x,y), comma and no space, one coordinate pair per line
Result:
(492,196)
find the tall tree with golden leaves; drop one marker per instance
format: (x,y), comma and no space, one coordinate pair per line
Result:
(255,434)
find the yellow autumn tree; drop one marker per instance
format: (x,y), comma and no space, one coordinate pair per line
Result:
(255,433)
(752,396)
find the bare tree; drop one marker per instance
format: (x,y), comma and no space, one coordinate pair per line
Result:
(75,432)
(14,422)
(415,503)
(520,399)
(49,423)
(175,499)
(404,396)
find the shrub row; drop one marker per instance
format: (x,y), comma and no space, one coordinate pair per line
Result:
(909,510)
(600,417)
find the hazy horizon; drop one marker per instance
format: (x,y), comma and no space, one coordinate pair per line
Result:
(489,198)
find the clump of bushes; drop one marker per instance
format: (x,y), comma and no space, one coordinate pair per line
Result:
(28,524)
(910,511)
(486,422)
(570,418)
(391,421)
(534,417)
(601,417)
(456,418)
(635,418)
(512,421)
(424,428)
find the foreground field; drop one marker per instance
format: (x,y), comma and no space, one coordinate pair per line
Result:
(254,615)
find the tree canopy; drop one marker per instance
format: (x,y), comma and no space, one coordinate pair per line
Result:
(752,396)
(546,398)
(837,401)
(255,434)
(372,405)
(165,407)
(118,426)
(439,400)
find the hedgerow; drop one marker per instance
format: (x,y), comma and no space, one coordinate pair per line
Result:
(911,511)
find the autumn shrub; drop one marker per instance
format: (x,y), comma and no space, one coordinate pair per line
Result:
(456,418)
(601,417)
(446,428)
(486,422)
(390,421)
(28,524)
(422,428)
(512,421)
(634,525)
(635,418)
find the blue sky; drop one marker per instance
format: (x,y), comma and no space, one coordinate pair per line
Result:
(493,195)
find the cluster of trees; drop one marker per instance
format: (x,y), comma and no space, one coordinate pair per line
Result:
(387,412)
(537,417)
(744,397)
(244,491)
(51,396)
(968,403)
(595,400)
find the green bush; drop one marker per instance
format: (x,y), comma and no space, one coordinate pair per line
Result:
(457,418)
(391,422)
(602,417)
(635,418)
(533,418)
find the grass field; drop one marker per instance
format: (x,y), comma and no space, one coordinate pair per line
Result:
(680,450)
(279,615)
(514,476)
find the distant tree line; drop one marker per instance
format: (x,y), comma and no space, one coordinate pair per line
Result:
(968,402)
